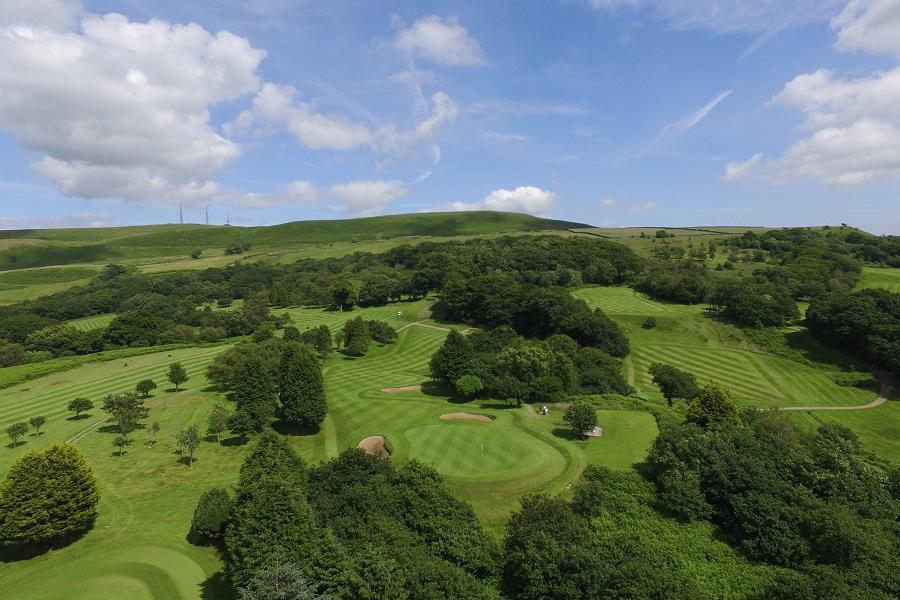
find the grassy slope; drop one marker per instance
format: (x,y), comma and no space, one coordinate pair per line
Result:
(79,246)
(718,352)
(875,277)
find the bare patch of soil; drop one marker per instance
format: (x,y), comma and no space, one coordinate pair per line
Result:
(461,416)
(404,388)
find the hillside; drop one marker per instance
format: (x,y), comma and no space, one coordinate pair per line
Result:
(22,249)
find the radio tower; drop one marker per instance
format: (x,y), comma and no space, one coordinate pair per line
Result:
(180,214)
(207,214)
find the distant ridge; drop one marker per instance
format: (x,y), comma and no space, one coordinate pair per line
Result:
(27,248)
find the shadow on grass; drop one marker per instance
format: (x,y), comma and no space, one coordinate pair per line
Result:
(497,405)
(78,417)
(567,434)
(440,389)
(236,440)
(12,445)
(10,554)
(288,428)
(217,587)
(186,461)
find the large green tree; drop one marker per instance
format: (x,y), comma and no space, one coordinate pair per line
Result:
(47,497)
(713,406)
(581,417)
(176,375)
(301,387)
(255,388)
(674,382)
(453,359)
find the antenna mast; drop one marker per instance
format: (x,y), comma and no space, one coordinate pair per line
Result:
(180,214)
(207,214)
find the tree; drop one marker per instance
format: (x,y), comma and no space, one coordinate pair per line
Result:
(255,387)
(47,497)
(217,422)
(241,424)
(80,405)
(301,387)
(357,337)
(154,431)
(195,253)
(36,423)
(581,417)
(468,386)
(713,406)
(176,375)
(126,409)
(188,439)
(17,430)
(145,386)
(212,513)
(453,359)
(673,382)
(279,579)
(120,442)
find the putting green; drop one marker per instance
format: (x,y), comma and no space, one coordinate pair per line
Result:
(471,449)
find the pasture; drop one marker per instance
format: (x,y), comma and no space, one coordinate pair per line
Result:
(92,322)
(490,464)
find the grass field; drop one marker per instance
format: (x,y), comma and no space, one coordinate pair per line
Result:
(875,277)
(91,323)
(138,549)
(718,352)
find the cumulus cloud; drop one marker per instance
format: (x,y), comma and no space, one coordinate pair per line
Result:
(523,199)
(739,170)
(442,41)
(869,25)
(642,207)
(112,117)
(607,201)
(367,198)
(296,192)
(276,107)
(77,219)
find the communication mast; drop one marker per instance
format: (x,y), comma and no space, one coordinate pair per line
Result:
(180,214)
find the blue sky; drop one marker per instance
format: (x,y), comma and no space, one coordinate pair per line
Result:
(611,112)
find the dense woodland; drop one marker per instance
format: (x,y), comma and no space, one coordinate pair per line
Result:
(731,500)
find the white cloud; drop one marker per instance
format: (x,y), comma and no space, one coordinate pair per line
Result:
(442,41)
(672,130)
(859,153)
(869,25)
(275,106)
(735,171)
(111,114)
(296,192)
(47,14)
(607,201)
(367,198)
(523,199)
(854,124)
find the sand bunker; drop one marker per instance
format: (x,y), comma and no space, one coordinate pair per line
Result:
(404,388)
(596,432)
(374,444)
(464,416)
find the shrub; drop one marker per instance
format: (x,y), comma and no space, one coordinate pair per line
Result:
(469,385)
(212,514)
(649,323)
(581,417)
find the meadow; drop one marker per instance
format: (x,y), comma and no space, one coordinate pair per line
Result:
(490,464)
(880,277)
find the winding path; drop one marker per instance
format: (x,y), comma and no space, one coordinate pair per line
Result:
(881,399)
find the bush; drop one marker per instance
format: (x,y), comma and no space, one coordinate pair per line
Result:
(649,323)
(195,254)
(581,417)
(212,514)
(469,385)
(212,334)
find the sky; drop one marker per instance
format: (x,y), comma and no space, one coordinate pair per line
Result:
(608,112)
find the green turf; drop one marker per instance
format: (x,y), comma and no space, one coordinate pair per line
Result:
(91,323)
(620,301)
(875,277)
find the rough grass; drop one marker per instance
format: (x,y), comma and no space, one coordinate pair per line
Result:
(144,244)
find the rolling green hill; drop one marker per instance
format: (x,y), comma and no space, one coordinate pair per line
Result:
(29,248)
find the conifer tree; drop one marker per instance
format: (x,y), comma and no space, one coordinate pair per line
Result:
(47,496)
(302,389)
(255,390)
(453,359)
